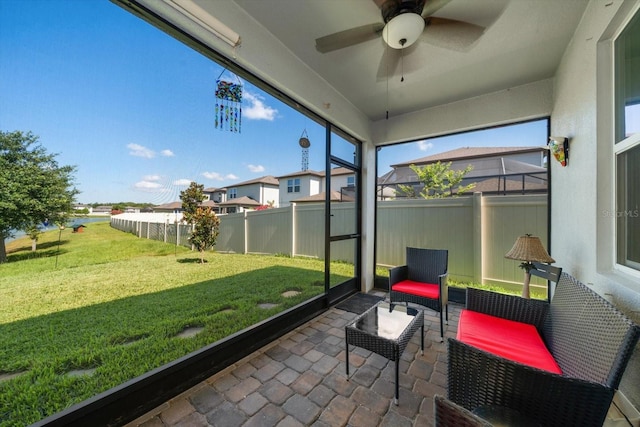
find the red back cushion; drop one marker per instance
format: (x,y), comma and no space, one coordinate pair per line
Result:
(512,340)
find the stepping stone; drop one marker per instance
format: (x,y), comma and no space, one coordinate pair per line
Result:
(81,372)
(10,375)
(190,332)
(267,305)
(290,294)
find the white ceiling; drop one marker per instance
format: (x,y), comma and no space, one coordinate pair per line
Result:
(523,43)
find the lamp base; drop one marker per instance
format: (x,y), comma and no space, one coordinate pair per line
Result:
(525,286)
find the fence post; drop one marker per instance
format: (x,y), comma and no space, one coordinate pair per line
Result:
(478,244)
(293,230)
(246,231)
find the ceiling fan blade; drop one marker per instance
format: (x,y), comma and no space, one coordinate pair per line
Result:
(388,63)
(348,37)
(451,34)
(432,6)
(396,62)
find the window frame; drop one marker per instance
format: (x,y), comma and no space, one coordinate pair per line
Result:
(621,146)
(293,185)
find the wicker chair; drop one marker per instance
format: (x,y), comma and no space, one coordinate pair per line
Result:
(590,340)
(423,281)
(549,272)
(448,414)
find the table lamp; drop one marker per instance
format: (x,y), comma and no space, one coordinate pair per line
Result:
(528,249)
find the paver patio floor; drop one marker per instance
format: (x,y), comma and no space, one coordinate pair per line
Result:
(300,380)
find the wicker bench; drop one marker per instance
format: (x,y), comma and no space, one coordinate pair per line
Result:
(590,340)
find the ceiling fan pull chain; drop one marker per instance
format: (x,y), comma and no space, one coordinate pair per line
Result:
(402,64)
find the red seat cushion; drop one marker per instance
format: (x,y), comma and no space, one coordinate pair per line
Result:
(512,340)
(427,290)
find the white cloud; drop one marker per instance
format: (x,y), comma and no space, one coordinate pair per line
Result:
(256,168)
(218,176)
(140,151)
(424,145)
(148,186)
(185,182)
(151,178)
(257,110)
(167,153)
(213,175)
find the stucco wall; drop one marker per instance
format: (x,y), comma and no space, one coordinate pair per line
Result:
(582,192)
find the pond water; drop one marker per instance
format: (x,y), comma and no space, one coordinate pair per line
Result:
(73,222)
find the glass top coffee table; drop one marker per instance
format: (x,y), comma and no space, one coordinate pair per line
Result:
(385,329)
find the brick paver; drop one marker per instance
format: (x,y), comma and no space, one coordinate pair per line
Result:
(300,380)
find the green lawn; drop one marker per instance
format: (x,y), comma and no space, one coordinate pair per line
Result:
(108,301)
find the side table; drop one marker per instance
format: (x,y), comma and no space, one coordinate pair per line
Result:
(385,329)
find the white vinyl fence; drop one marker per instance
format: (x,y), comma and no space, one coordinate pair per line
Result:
(477,230)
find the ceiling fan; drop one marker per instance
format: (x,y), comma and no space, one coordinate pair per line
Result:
(404,22)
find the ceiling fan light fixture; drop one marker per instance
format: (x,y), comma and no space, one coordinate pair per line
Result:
(403,30)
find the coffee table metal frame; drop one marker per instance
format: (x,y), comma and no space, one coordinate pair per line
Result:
(391,348)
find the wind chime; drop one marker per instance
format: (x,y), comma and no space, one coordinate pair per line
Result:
(228,112)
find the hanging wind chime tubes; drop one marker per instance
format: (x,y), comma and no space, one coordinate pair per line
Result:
(228,112)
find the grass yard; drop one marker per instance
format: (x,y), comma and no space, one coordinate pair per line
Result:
(102,307)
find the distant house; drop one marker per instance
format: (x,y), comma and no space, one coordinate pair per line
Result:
(299,185)
(102,210)
(218,195)
(173,207)
(335,196)
(176,207)
(238,204)
(251,194)
(305,185)
(80,207)
(496,170)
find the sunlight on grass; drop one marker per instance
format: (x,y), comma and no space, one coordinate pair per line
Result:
(115,304)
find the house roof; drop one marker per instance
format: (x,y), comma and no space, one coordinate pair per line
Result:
(470,153)
(240,201)
(336,196)
(334,172)
(209,203)
(267,180)
(214,189)
(490,167)
(302,173)
(172,205)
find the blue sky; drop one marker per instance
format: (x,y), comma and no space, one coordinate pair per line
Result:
(132,108)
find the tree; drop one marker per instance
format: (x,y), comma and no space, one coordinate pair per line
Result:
(191,199)
(438,180)
(205,230)
(203,220)
(33,187)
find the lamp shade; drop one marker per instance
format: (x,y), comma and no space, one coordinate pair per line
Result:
(529,248)
(403,30)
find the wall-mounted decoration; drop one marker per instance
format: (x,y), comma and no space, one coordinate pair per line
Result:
(228,111)
(559,147)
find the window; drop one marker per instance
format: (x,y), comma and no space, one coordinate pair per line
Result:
(627,144)
(351,181)
(233,193)
(293,185)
